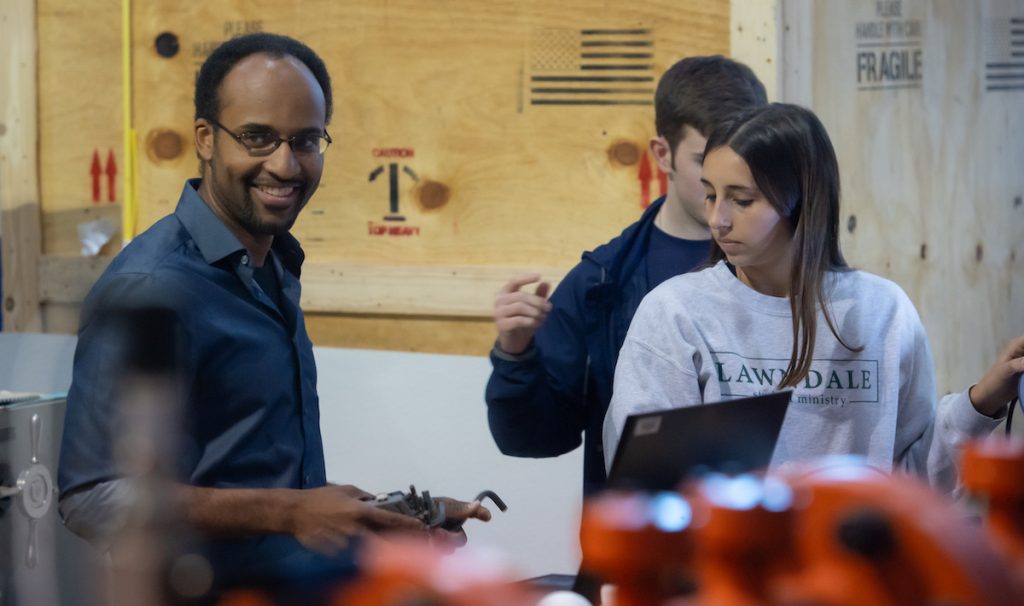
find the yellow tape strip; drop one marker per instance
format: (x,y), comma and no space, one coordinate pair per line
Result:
(129,207)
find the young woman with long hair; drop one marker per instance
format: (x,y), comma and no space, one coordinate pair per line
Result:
(780,308)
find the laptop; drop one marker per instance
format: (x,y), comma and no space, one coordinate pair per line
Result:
(658,450)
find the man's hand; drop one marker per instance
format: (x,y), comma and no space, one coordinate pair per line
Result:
(323,519)
(518,314)
(999,384)
(450,535)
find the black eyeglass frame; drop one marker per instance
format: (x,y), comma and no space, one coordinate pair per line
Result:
(242,140)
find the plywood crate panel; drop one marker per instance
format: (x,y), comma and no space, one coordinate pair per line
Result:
(924,100)
(452,115)
(442,94)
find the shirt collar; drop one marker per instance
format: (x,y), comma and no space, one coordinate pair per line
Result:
(216,242)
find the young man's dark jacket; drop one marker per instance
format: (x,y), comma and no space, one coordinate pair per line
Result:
(540,401)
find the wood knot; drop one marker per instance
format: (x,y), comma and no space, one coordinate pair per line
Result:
(163,145)
(433,195)
(625,153)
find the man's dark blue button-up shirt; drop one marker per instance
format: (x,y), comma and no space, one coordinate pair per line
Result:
(251,407)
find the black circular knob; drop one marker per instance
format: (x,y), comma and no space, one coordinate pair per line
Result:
(167,45)
(867,533)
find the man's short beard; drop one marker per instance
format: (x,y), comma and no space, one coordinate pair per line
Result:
(250,220)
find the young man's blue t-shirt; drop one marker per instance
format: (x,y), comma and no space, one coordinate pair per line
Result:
(669,256)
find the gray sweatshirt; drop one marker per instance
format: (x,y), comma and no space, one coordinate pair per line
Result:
(707,337)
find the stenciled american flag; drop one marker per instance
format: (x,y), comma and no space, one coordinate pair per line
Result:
(1004,66)
(591,67)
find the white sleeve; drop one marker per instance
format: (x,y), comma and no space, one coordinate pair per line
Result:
(654,372)
(956,423)
(929,438)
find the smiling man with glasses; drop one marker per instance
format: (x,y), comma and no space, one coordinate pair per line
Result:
(252,182)
(253,479)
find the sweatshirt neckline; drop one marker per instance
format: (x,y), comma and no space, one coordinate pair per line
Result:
(762,303)
(776,306)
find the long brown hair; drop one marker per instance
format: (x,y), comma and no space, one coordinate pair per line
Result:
(794,165)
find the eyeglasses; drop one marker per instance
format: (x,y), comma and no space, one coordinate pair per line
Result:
(266,142)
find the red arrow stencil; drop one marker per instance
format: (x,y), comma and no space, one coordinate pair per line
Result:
(644,174)
(111,176)
(95,170)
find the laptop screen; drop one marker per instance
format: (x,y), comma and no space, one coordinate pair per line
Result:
(660,449)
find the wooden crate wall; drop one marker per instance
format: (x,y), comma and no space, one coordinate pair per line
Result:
(493,172)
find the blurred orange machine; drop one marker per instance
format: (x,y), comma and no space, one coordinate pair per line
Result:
(840,534)
(835,534)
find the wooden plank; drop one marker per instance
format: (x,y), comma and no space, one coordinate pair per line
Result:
(66,280)
(59,225)
(928,153)
(19,176)
(61,318)
(419,326)
(796,64)
(754,39)
(454,292)
(424,334)
(79,111)
(466,291)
